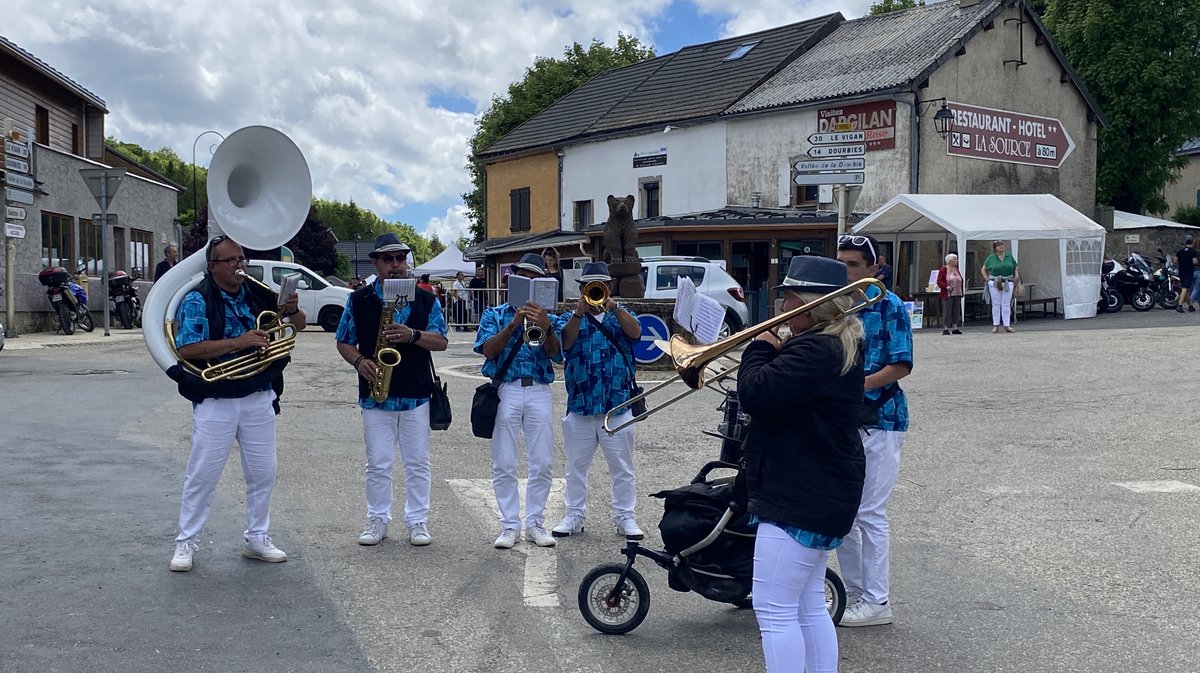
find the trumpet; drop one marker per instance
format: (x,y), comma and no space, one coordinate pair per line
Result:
(692,362)
(534,335)
(596,293)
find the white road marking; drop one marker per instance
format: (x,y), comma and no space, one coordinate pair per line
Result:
(1160,486)
(540,589)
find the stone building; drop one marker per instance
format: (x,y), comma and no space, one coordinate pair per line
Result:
(55,127)
(708,138)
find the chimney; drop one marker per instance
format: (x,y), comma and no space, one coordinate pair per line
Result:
(756,200)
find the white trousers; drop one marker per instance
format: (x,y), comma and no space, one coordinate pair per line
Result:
(581,436)
(382,431)
(527,409)
(789,601)
(215,424)
(863,556)
(1001,302)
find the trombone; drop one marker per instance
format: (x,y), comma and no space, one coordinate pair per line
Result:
(693,361)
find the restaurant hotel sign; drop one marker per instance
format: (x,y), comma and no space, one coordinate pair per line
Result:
(877,120)
(1011,137)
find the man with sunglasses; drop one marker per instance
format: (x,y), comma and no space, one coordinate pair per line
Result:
(217,321)
(417,328)
(887,358)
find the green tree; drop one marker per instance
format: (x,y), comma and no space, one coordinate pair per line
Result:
(885,6)
(1141,61)
(546,81)
(165,162)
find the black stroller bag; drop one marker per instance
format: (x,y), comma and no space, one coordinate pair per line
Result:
(691,513)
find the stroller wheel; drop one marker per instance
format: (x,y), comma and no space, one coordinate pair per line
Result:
(835,595)
(744,603)
(613,613)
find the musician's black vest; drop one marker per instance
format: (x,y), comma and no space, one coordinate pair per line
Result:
(412,377)
(191,386)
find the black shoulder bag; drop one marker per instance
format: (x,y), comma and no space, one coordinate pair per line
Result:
(439,403)
(639,407)
(487,398)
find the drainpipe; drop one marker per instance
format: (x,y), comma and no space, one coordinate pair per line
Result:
(914,143)
(560,154)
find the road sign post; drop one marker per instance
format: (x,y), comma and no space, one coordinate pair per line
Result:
(103,183)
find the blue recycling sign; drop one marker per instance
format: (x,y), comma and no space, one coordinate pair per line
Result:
(653,327)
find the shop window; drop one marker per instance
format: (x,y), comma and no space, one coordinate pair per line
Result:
(57,241)
(710,250)
(90,249)
(519,204)
(140,243)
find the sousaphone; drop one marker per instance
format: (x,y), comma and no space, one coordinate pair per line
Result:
(259,193)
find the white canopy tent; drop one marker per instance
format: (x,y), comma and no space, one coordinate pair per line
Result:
(1059,250)
(446,265)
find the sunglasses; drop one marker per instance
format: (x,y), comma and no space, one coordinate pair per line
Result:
(212,243)
(388,259)
(858,242)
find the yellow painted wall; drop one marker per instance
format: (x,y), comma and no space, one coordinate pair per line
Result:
(539,173)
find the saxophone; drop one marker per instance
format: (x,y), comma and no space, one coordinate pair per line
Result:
(386,357)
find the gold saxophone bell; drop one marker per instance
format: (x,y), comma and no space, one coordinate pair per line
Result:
(596,293)
(692,361)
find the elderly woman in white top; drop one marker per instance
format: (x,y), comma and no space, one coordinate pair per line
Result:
(951,290)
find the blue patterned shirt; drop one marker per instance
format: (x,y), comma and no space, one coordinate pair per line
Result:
(805,537)
(597,374)
(529,362)
(887,332)
(192,318)
(346,334)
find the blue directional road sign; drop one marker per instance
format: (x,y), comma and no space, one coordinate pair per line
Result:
(653,327)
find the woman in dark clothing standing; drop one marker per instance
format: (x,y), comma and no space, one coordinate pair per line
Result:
(804,463)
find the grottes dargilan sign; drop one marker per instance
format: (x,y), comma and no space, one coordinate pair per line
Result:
(1011,137)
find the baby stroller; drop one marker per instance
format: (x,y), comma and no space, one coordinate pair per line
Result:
(708,545)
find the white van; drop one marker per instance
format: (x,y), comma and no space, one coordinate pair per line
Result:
(321,302)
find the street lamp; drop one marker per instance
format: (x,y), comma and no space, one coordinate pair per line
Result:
(943,119)
(195,194)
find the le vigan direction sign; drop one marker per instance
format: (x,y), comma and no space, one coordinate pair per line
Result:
(1010,137)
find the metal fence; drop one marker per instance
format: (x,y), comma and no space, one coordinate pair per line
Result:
(463,308)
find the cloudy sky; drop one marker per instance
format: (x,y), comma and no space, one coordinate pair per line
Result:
(380,95)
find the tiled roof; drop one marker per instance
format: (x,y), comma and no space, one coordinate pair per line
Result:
(734,216)
(41,66)
(522,243)
(874,53)
(692,83)
(887,52)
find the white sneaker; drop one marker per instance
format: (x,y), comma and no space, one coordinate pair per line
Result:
(418,535)
(572,524)
(628,529)
(375,533)
(540,537)
(863,613)
(262,549)
(508,538)
(181,562)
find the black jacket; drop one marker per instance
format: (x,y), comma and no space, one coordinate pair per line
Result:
(413,377)
(804,458)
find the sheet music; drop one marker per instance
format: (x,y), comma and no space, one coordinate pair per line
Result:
(540,291)
(405,288)
(685,303)
(287,286)
(697,313)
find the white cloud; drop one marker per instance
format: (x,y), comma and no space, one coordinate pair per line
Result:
(754,15)
(449,228)
(349,82)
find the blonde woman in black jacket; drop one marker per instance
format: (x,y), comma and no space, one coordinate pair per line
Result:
(804,464)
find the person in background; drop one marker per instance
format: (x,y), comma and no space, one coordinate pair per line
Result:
(423,283)
(526,405)
(170,259)
(478,291)
(554,268)
(1186,258)
(804,463)
(887,358)
(458,302)
(597,347)
(1001,275)
(884,274)
(951,288)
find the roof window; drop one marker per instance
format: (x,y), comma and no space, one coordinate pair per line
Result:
(739,52)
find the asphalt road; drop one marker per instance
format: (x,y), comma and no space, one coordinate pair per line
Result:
(1044,521)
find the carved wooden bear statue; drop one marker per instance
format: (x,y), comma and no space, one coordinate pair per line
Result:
(620,248)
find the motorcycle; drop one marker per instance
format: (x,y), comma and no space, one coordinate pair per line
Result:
(1165,282)
(68,299)
(1133,282)
(1110,301)
(126,305)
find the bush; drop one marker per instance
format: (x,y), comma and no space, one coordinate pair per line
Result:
(1188,215)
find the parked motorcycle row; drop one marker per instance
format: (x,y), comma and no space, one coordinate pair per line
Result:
(1136,283)
(69,299)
